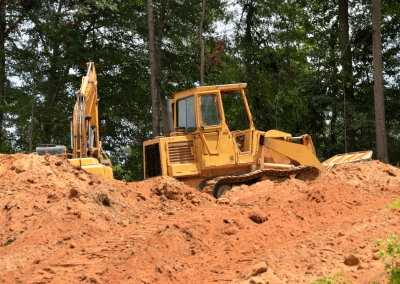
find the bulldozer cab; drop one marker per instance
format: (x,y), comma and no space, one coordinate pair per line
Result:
(210,143)
(201,112)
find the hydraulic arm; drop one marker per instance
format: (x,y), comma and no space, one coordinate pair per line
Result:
(85,144)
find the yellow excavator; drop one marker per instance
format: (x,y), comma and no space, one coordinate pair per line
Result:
(87,152)
(199,148)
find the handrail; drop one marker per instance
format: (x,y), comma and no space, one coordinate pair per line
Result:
(105,155)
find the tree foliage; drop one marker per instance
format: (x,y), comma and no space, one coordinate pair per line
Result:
(287,51)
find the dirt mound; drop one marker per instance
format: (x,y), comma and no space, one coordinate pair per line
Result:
(59,224)
(369,176)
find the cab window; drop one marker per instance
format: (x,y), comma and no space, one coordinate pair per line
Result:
(209,110)
(236,116)
(186,114)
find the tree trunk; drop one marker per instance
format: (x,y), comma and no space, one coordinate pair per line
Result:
(155,99)
(158,50)
(93,23)
(344,119)
(2,66)
(32,113)
(332,135)
(49,116)
(347,68)
(381,139)
(202,45)
(287,51)
(248,40)
(55,78)
(277,102)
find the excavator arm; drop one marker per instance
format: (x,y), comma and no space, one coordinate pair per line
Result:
(85,143)
(85,122)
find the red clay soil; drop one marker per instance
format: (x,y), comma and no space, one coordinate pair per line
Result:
(59,224)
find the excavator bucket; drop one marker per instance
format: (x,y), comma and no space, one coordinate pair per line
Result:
(347,158)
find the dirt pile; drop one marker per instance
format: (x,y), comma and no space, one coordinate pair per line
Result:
(59,224)
(372,176)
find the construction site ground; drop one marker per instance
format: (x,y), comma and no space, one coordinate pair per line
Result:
(59,224)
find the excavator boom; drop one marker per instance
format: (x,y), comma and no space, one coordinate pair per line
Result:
(87,152)
(86,146)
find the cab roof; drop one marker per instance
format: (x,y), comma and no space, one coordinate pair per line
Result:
(222,88)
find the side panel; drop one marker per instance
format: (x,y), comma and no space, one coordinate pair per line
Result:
(222,141)
(181,152)
(172,156)
(182,159)
(184,170)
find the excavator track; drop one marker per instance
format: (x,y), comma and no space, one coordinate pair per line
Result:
(230,180)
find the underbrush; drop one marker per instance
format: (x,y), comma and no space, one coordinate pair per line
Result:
(337,279)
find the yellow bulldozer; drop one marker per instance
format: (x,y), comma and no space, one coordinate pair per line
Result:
(199,148)
(86,150)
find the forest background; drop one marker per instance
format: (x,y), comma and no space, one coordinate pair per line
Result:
(285,50)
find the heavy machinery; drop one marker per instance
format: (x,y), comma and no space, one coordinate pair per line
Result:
(85,144)
(199,148)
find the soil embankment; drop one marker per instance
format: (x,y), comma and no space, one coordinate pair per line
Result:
(59,224)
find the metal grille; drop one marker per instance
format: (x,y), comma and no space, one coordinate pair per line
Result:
(180,152)
(153,161)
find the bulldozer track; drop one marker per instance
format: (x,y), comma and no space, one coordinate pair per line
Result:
(230,180)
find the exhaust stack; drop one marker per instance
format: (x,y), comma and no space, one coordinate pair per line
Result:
(167,119)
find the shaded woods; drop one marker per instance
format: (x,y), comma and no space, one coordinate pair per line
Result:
(309,68)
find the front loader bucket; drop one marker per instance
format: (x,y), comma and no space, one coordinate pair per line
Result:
(347,158)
